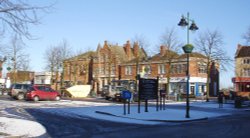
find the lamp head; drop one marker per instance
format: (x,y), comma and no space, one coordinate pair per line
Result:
(193,27)
(183,22)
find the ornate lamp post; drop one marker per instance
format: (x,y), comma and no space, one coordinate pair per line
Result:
(184,22)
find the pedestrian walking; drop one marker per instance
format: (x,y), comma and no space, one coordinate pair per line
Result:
(220,100)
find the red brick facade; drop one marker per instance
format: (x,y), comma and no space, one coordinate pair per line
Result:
(113,62)
(100,67)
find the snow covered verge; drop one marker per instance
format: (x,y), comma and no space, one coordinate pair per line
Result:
(11,127)
(115,113)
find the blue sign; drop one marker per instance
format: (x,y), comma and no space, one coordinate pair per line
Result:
(126,94)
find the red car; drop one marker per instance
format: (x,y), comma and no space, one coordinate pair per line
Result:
(41,92)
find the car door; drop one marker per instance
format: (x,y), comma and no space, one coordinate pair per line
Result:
(50,93)
(41,92)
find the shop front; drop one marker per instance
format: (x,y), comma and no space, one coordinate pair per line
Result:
(197,86)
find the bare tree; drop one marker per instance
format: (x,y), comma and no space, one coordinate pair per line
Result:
(65,50)
(50,58)
(170,40)
(246,36)
(143,42)
(25,66)
(210,44)
(54,57)
(17,15)
(16,56)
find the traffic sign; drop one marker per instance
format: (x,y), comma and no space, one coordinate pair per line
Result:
(126,94)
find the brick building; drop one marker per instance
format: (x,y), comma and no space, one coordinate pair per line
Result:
(242,71)
(110,63)
(100,67)
(170,62)
(21,76)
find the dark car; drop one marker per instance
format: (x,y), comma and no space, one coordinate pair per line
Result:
(18,91)
(112,92)
(42,92)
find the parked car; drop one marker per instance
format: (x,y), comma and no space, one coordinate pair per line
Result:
(112,92)
(42,92)
(18,91)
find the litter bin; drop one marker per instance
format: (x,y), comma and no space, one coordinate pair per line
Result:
(237,102)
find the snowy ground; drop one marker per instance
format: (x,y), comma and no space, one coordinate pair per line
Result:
(113,112)
(20,128)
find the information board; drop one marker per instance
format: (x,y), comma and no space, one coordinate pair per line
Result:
(148,89)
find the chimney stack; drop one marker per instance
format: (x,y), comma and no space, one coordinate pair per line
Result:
(136,49)
(239,46)
(162,50)
(128,49)
(105,44)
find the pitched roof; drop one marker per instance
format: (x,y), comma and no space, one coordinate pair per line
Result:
(243,51)
(168,54)
(118,50)
(82,56)
(194,54)
(140,59)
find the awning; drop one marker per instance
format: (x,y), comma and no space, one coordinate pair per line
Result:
(240,79)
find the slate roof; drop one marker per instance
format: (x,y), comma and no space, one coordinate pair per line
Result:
(243,51)
(82,56)
(118,50)
(194,54)
(168,54)
(142,57)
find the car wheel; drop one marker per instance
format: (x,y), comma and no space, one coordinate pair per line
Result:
(57,98)
(20,96)
(36,98)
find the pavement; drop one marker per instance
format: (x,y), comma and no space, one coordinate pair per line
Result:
(101,109)
(199,110)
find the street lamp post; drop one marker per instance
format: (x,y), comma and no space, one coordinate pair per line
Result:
(184,22)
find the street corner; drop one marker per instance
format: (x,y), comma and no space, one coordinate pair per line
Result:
(160,116)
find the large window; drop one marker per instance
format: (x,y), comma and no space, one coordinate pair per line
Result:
(161,69)
(113,70)
(102,71)
(246,61)
(202,69)
(128,70)
(178,68)
(68,70)
(246,72)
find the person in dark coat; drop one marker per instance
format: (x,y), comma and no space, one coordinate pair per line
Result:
(220,100)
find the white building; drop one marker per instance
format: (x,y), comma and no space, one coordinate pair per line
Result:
(42,78)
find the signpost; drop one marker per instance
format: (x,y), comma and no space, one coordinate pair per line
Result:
(126,96)
(162,99)
(148,90)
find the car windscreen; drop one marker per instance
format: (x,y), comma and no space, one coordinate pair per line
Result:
(26,86)
(120,88)
(30,88)
(18,86)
